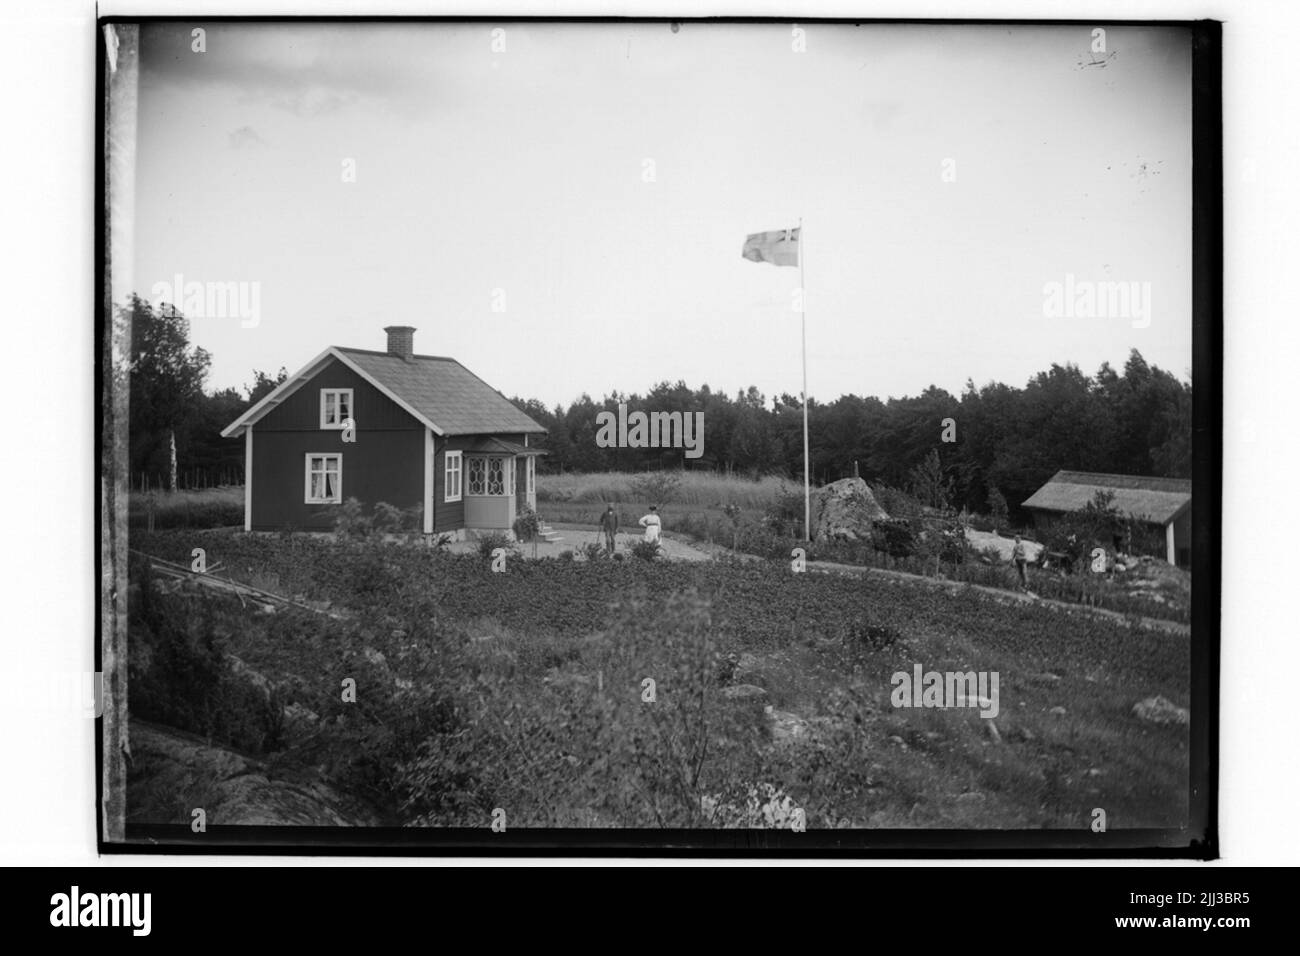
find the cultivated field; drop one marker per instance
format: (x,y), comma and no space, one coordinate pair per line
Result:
(525,691)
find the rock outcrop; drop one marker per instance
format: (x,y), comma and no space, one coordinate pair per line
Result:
(173,773)
(1160,710)
(845,510)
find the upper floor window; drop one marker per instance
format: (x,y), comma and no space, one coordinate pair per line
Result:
(335,407)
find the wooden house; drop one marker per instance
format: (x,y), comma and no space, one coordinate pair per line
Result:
(410,430)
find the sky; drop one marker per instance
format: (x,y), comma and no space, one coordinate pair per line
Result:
(562,207)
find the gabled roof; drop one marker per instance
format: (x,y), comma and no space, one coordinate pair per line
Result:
(1159,500)
(438,392)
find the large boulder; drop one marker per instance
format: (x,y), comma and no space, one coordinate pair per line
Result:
(844,510)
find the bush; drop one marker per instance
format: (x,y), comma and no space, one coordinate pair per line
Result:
(493,540)
(351,519)
(657,487)
(646,550)
(528,525)
(894,537)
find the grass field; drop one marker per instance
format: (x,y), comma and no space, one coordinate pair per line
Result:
(697,490)
(206,508)
(526,691)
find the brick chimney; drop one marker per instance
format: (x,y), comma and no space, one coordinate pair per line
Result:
(401,341)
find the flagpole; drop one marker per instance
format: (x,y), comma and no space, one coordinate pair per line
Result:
(803,333)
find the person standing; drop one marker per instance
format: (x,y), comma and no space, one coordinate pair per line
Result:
(609,526)
(651,524)
(1018,556)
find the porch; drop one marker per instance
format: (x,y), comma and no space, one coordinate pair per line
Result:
(500,484)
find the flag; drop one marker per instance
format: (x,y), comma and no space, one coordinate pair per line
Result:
(781,248)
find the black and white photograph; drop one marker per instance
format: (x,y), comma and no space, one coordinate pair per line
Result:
(650,434)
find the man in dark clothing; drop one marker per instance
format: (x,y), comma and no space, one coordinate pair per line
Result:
(1018,556)
(609,525)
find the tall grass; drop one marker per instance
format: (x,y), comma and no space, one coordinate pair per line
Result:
(695,488)
(205,508)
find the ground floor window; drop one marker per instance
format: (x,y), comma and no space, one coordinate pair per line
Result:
(452,476)
(496,476)
(475,476)
(489,477)
(530,475)
(324,484)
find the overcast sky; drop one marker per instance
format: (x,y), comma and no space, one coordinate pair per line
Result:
(524,171)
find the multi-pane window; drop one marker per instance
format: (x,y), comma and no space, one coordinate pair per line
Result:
(324,479)
(489,477)
(496,476)
(530,475)
(476,476)
(335,407)
(452,476)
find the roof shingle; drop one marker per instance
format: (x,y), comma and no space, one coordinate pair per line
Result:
(445,392)
(1159,500)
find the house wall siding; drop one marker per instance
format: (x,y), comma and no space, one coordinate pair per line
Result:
(385,463)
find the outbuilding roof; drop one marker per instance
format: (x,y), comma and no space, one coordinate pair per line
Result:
(1158,500)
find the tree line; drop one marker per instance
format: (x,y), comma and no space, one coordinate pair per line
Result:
(1005,441)
(990,447)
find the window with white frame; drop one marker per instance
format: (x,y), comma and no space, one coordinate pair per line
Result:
(335,407)
(530,475)
(452,473)
(324,483)
(476,476)
(496,476)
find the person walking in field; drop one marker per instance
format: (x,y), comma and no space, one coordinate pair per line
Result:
(609,527)
(651,524)
(1018,556)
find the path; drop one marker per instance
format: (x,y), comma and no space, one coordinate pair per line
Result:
(575,537)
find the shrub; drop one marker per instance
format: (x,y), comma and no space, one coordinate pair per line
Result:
(646,550)
(493,540)
(894,536)
(657,487)
(351,520)
(998,512)
(528,525)
(785,515)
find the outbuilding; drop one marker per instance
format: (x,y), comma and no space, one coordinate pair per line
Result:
(1163,502)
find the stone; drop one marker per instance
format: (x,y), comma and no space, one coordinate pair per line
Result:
(173,771)
(747,666)
(1160,710)
(785,726)
(1058,711)
(743,691)
(845,510)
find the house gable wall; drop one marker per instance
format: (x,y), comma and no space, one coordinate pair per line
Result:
(385,463)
